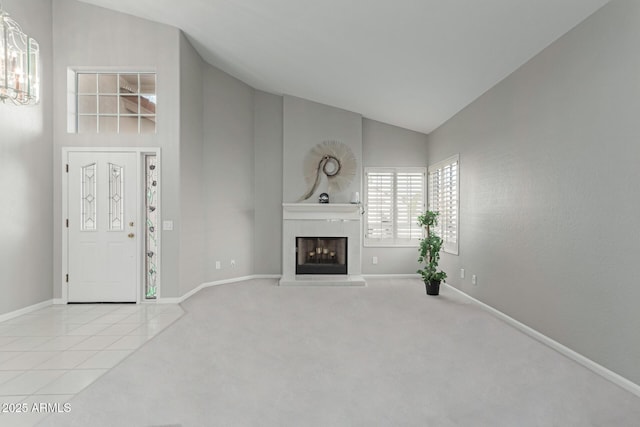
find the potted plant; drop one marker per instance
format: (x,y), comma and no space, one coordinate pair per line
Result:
(430,254)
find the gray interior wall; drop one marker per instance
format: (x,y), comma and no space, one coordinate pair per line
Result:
(267,241)
(221,143)
(26,239)
(549,194)
(191,168)
(89,37)
(228,162)
(307,124)
(385,145)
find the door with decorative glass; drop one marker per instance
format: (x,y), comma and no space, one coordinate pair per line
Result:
(102,199)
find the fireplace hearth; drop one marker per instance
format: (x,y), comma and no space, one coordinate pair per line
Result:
(321,255)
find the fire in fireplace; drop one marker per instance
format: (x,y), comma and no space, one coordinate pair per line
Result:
(321,255)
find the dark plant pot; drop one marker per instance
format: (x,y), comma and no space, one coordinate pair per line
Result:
(433,287)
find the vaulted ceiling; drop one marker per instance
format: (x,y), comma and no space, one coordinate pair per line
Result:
(411,63)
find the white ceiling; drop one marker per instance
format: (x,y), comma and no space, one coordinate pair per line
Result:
(411,63)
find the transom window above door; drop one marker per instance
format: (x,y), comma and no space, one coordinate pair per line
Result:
(114,102)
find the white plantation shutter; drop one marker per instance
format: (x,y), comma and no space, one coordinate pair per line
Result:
(379,208)
(394,197)
(409,204)
(443,186)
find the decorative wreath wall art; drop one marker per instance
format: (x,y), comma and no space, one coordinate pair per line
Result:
(333,159)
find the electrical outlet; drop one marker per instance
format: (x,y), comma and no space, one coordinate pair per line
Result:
(233,263)
(374,260)
(474,280)
(217,265)
(462,273)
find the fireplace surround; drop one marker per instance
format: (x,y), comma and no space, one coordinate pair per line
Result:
(327,223)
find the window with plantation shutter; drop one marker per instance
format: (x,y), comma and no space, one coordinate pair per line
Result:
(394,197)
(443,188)
(379,205)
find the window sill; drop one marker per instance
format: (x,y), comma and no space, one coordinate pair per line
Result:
(390,245)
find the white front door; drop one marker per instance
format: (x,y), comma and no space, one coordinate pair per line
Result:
(102,199)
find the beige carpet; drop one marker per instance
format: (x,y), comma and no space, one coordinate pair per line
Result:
(255,354)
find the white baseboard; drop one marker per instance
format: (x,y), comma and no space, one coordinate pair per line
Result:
(25,310)
(266,276)
(392,276)
(167,300)
(59,301)
(194,291)
(566,351)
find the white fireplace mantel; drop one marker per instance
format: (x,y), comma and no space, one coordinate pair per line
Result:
(327,220)
(321,211)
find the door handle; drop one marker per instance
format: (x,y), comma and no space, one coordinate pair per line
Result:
(131,235)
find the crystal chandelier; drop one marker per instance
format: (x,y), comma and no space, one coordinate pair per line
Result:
(19,63)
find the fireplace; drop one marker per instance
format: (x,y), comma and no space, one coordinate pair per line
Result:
(321,255)
(333,232)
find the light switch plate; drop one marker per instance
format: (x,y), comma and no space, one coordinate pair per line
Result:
(167,225)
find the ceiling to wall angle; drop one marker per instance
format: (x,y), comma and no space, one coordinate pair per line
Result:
(410,63)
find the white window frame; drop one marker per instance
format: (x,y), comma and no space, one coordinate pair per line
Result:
(449,194)
(74,94)
(394,241)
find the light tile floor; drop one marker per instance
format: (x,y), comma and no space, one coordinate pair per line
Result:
(50,355)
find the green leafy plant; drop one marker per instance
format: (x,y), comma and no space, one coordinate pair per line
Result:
(429,249)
